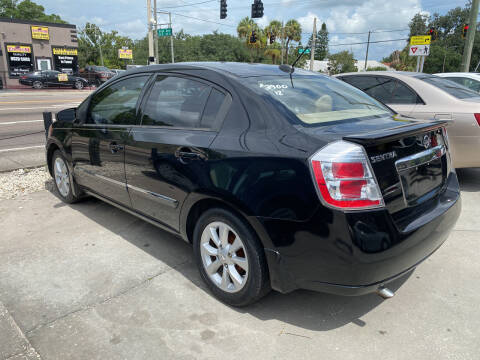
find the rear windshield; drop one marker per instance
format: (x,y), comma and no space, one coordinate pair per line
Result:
(100,68)
(449,86)
(318,99)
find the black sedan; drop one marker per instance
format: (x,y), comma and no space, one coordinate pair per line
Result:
(279,180)
(52,78)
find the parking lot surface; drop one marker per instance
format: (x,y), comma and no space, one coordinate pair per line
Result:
(88,281)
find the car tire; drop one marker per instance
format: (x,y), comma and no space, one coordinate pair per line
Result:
(37,85)
(233,266)
(62,179)
(78,85)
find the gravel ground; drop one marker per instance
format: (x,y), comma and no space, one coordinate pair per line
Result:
(24,181)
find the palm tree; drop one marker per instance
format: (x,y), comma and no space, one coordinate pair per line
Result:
(274,28)
(245,27)
(244,30)
(273,53)
(292,32)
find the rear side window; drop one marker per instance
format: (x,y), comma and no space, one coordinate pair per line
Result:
(380,89)
(176,101)
(402,94)
(215,102)
(117,103)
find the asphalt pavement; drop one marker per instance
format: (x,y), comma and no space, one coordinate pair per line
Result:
(88,281)
(22,135)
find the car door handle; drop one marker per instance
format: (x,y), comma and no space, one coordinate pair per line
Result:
(114,147)
(185,154)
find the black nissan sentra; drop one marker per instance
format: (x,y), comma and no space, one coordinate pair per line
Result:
(280,180)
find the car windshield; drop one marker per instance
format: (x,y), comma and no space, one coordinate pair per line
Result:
(450,87)
(318,99)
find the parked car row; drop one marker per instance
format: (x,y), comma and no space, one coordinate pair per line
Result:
(90,75)
(280,178)
(429,97)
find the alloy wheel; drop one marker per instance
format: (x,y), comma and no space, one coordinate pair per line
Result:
(224,257)
(61,177)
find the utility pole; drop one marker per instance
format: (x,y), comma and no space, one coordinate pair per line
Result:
(171,36)
(155,34)
(472,29)
(368,46)
(150,32)
(313,45)
(283,43)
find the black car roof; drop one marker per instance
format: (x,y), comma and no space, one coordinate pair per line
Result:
(232,68)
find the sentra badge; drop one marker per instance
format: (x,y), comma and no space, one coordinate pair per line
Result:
(382,157)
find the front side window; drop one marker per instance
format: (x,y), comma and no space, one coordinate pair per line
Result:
(467,82)
(317,99)
(176,101)
(117,103)
(448,86)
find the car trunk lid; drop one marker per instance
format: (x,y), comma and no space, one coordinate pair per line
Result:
(410,163)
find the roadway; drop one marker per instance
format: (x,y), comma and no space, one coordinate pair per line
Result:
(21,122)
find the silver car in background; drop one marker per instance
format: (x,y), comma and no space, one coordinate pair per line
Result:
(429,97)
(469,80)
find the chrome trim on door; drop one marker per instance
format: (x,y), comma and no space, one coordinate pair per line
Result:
(420,158)
(158,197)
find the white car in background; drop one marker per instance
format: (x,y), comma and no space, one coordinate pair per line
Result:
(469,80)
(428,97)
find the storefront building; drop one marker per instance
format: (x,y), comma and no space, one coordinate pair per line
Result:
(27,46)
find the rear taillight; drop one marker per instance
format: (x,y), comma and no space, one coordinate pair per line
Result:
(344,178)
(477,117)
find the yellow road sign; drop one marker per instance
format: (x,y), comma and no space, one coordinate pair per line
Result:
(421,40)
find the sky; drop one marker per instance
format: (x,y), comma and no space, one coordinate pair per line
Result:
(348,21)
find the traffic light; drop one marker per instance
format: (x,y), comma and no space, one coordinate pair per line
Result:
(223,9)
(433,33)
(257,9)
(272,38)
(465,30)
(253,37)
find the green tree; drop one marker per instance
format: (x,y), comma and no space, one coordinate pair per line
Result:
(26,10)
(342,62)
(292,32)
(275,28)
(244,29)
(321,43)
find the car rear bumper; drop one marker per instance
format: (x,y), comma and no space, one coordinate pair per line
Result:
(355,253)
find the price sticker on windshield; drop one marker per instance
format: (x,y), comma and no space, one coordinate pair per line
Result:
(277,89)
(62,77)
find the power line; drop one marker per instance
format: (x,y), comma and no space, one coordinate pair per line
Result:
(205,20)
(189,4)
(365,42)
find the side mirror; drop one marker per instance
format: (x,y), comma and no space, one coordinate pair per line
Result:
(67,115)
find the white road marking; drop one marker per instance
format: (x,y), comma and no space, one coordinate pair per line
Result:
(42,107)
(22,148)
(19,122)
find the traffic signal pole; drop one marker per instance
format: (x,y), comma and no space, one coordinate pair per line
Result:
(472,27)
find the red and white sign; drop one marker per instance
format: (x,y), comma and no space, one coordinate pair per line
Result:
(419,50)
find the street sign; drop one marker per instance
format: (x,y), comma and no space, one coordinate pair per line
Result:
(421,40)
(164,32)
(419,50)
(125,54)
(302,51)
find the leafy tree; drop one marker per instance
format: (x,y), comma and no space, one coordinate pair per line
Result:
(342,62)
(292,32)
(244,29)
(377,68)
(26,10)
(418,24)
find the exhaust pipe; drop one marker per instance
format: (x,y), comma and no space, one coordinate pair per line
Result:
(384,292)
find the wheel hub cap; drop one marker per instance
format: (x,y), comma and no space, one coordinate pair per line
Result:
(224,257)
(61,177)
